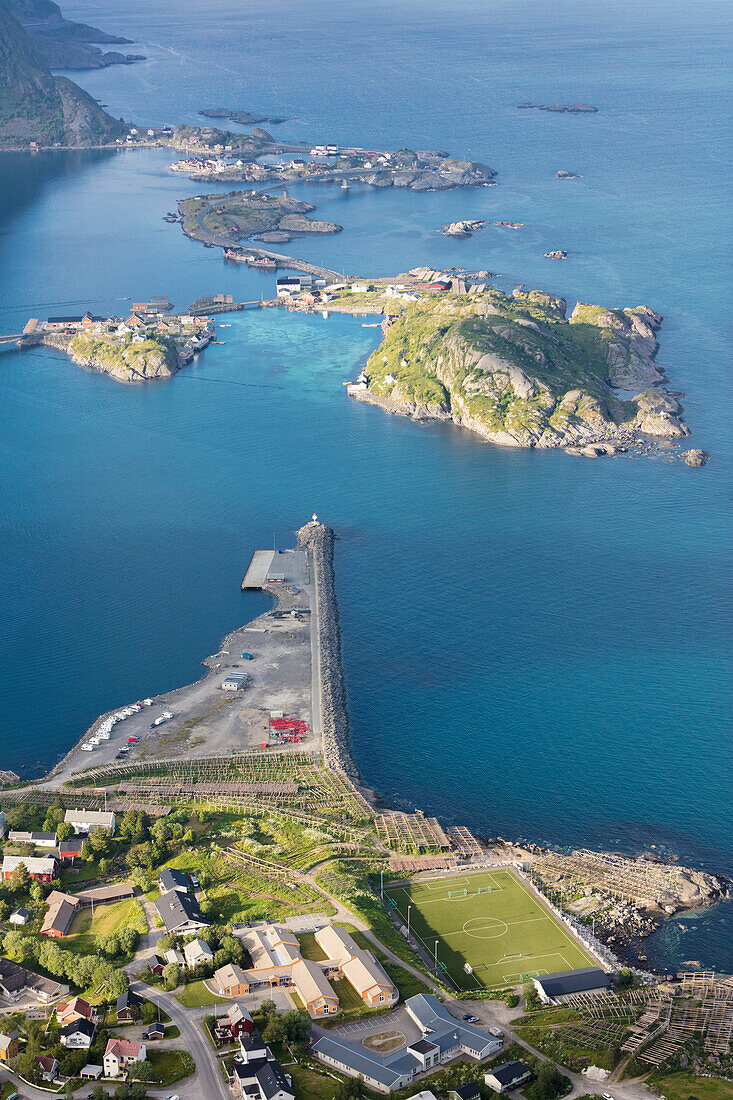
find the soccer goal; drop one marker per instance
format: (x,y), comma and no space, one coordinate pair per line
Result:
(483,890)
(530,974)
(457,893)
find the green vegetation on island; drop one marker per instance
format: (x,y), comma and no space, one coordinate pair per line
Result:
(119,356)
(514,369)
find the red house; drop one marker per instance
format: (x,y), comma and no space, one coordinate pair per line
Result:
(237,1022)
(40,868)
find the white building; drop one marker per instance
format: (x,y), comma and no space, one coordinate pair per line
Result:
(86,821)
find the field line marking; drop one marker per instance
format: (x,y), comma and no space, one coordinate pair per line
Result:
(574,943)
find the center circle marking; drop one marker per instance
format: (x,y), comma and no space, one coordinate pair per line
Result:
(485,928)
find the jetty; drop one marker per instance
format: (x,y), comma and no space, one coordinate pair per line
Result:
(276,567)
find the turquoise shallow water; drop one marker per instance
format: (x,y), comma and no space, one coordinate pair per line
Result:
(536,645)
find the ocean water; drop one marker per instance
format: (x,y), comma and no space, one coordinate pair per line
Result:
(535,645)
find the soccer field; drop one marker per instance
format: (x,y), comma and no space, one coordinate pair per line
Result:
(490,920)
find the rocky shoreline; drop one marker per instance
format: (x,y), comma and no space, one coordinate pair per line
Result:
(510,369)
(137,366)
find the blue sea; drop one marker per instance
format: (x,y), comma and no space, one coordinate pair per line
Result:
(536,645)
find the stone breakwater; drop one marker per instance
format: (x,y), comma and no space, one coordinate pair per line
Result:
(319,539)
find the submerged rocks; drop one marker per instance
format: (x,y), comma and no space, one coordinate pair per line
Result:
(696,457)
(558,254)
(560,108)
(567,175)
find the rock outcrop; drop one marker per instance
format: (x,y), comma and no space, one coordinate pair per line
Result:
(124,361)
(696,457)
(518,372)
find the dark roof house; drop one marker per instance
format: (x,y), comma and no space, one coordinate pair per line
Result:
(556,986)
(180,912)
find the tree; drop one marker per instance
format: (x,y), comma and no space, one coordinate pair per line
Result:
(188,839)
(36,893)
(103,866)
(267,1008)
(350,1089)
(275,1031)
(297,1027)
(171,975)
(550,1082)
(149,1012)
(141,1071)
(64,830)
(87,852)
(20,880)
(100,840)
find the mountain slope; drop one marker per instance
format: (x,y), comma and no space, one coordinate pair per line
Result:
(35,106)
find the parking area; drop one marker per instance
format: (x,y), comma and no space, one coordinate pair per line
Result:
(398,1020)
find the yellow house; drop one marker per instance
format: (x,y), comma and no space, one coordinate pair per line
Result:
(9,1046)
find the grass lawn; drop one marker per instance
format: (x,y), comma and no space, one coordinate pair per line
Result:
(310,1085)
(196,995)
(490,920)
(309,948)
(171,1065)
(679,1086)
(349,999)
(86,929)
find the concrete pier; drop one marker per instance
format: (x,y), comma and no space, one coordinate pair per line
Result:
(276,567)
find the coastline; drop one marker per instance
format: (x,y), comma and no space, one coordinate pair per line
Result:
(620,934)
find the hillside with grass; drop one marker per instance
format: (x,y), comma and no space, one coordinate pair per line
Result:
(519,372)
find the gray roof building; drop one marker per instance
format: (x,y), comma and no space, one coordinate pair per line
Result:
(180,912)
(444,1038)
(553,987)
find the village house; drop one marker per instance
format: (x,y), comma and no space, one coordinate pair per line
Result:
(180,912)
(76,1009)
(9,1046)
(257,1075)
(70,850)
(197,952)
(38,840)
(20,916)
(16,979)
(86,821)
(77,1035)
(506,1078)
(62,909)
(172,879)
(120,1053)
(49,1066)
(128,1006)
(234,1025)
(40,868)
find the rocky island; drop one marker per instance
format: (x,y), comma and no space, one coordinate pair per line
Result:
(243,215)
(244,118)
(153,358)
(425,170)
(517,371)
(561,108)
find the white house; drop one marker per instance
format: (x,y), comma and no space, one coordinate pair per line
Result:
(197,951)
(120,1053)
(86,821)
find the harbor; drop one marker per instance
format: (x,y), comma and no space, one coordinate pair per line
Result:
(256,692)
